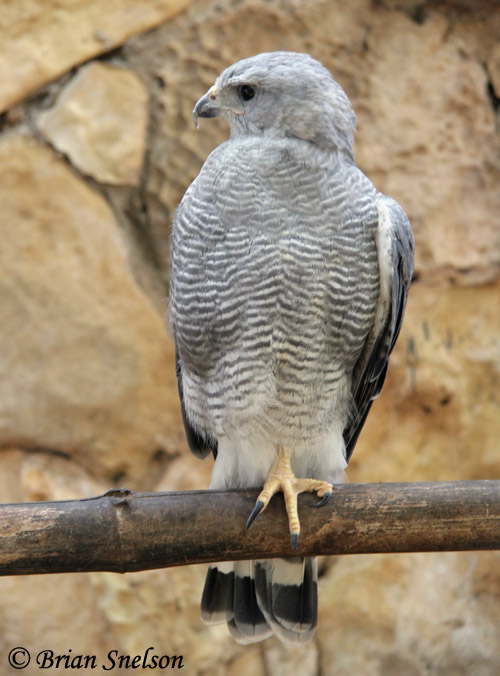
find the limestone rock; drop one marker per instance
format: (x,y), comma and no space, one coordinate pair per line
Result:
(438,415)
(283,659)
(494,70)
(42,40)
(247,663)
(84,360)
(46,476)
(75,622)
(411,614)
(161,608)
(100,122)
(427,135)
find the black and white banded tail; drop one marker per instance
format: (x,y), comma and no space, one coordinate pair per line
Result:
(259,598)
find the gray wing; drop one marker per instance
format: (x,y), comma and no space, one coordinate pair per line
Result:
(395,248)
(198,444)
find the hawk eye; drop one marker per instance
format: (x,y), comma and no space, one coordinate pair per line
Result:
(247,92)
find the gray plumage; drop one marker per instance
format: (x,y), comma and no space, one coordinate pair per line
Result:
(289,278)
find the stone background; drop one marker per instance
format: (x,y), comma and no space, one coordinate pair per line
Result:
(97,147)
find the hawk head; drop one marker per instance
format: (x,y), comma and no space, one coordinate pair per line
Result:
(282,94)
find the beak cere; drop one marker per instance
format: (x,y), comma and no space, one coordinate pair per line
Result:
(206,106)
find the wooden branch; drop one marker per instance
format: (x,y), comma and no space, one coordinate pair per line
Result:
(123,531)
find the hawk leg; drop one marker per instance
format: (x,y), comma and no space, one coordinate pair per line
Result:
(282,478)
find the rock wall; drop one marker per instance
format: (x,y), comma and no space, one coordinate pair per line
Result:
(97,147)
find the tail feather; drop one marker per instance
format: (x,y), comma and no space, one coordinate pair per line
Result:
(259,598)
(287,593)
(217,601)
(248,619)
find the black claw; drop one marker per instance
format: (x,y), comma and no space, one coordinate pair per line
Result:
(323,500)
(258,506)
(295,541)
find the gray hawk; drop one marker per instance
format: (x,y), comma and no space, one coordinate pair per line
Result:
(289,279)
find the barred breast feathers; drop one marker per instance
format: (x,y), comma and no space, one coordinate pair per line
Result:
(277,307)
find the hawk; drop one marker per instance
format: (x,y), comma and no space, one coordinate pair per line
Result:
(289,279)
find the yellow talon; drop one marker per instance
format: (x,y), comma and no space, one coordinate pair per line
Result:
(282,478)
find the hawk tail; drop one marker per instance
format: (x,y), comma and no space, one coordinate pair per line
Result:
(259,598)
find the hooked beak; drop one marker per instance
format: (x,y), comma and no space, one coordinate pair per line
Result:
(207,106)
(210,105)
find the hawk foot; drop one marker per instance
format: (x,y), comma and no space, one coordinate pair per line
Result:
(281,478)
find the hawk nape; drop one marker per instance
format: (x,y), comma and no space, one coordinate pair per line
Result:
(289,279)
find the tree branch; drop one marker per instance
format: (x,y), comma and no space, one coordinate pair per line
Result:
(123,531)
